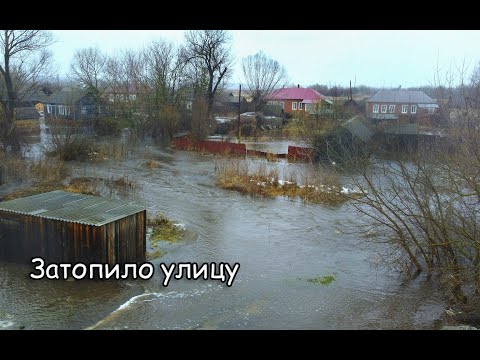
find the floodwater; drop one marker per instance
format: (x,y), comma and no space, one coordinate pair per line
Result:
(279,243)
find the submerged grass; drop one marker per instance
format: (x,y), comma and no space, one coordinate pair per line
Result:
(151,164)
(163,229)
(234,174)
(155,254)
(50,171)
(322,280)
(110,151)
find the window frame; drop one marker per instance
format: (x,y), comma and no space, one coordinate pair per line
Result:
(405,107)
(294,105)
(376,108)
(383,107)
(391,109)
(413,109)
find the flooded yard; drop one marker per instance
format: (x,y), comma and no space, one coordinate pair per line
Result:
(281,245)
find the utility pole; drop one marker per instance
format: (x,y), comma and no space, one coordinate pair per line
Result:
(239,112)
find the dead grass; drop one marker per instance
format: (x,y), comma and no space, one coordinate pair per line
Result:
(49,171)
(164,229)
(27,127)
(123,185)
(155,254)
(14,168)
(77,185)
(259,181)
(151,164)
(83,185)
(110,151)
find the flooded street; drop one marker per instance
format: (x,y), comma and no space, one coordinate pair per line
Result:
(279,243)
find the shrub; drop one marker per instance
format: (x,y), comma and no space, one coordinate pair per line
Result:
(68,148)
(108,126)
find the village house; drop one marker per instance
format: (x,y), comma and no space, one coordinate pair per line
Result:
(126,93)
(299,99)
(72,103)
(228,102)
(404,106)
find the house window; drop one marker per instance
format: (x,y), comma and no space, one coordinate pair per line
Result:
(294,105)
(61,110)
(391,109)
(300,106)
(83,110)
(49,109)
(404,109)
(431,111)
(133,97)
(414,109)
(384,109)
(375,108)
(282,105)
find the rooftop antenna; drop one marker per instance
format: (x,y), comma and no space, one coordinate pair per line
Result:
(351,96)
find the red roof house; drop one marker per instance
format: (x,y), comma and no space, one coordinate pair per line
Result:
(297,99)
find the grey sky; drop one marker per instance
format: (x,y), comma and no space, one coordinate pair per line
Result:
(377,58)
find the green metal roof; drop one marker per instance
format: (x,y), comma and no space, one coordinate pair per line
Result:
(71,207)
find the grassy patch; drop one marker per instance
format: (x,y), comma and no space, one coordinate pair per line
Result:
(164,229)
(322,280)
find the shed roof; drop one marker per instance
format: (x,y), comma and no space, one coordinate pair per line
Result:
(357,127)
(72,207)
(402,96)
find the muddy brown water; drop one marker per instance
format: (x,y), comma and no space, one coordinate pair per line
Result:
(280,243)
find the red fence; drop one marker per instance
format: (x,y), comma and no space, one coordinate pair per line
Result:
(300,153)
(214,147)
(295,153)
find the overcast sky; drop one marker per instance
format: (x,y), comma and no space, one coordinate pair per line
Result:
(377,58)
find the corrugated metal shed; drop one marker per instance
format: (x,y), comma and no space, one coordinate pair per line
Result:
(67,227)
(71,207)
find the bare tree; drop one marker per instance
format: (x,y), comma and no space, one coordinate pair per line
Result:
(124,77)
(475,84)
(24,59)
(88,70)
(164,69)
(262,75)
(209,53)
